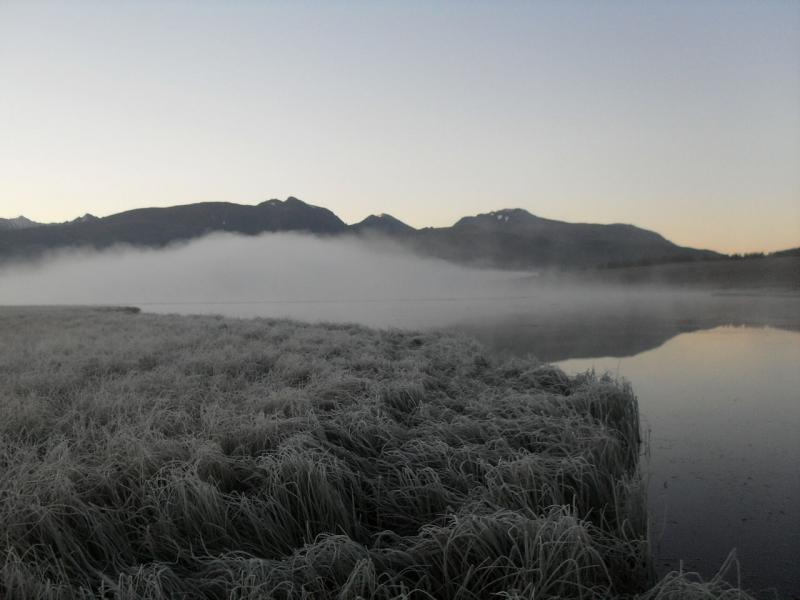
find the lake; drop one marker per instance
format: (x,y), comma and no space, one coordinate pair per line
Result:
(718,381)
(721,408)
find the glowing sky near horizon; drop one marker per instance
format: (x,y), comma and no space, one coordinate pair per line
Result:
(682,117)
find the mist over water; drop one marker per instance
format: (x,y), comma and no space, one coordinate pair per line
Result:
(293,275)
(278,269)
(378,283)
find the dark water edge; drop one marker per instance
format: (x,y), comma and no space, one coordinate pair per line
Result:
(626,328)
(718,381)
(721,408)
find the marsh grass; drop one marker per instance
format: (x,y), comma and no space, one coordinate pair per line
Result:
(156,457)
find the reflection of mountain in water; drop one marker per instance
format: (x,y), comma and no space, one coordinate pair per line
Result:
(625,330)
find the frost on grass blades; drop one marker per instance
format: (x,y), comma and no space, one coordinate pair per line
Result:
(151,456)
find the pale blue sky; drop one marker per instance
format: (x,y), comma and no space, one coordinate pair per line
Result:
(683,117)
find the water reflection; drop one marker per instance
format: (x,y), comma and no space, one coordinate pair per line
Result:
(624,328)
(723,410)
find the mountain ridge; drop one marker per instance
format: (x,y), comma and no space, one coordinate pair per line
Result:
(20,222)
(507,238)
(382,224)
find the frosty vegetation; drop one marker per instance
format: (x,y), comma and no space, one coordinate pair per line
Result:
(156,456)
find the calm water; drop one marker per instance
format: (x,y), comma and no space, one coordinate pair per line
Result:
(722,408)
(718,381)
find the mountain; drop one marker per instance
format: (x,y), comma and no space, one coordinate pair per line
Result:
(155,227)
(382,224)
(508,239)
(516,239)
(25,223)
(85,219)
(19,223)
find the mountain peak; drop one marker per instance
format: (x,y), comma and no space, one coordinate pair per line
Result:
(85,218)
(290,201)
(20,222)
(508,214)
(495,218)
(382,223)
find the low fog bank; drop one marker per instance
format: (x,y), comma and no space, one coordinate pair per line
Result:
(344,279)
(281,274)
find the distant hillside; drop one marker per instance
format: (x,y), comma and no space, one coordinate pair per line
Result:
(156,227)
(789,252)
(516,239)
(506,239)
(775,272)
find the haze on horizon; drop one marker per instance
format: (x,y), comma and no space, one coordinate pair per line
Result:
(374,282)
(680,117)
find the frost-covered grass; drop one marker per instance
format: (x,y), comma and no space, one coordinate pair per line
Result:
(147,456)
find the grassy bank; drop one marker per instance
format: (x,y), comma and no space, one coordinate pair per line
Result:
(147,456)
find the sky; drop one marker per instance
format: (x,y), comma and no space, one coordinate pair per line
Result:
(681,117)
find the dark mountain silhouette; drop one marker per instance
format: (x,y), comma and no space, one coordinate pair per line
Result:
(383,224)
(516,239)
(85,219)
(154,227)
(510,239)
(18,223)
(22,222)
